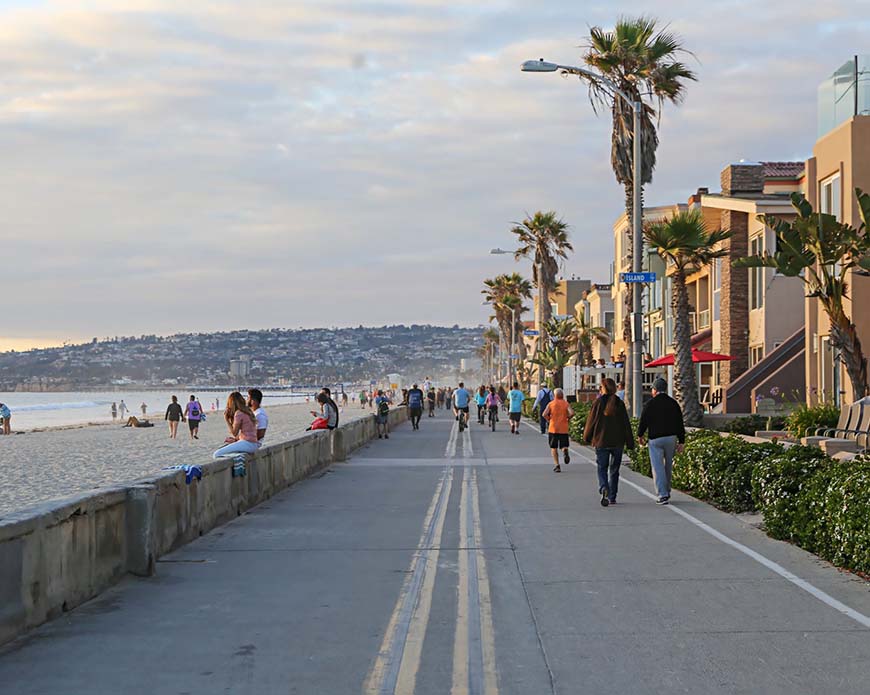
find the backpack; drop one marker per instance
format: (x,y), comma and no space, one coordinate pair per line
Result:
(383,408)
(194,410)
(545,399)
(415,399)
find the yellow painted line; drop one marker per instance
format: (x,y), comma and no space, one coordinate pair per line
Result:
(413,651)
(460,640)
(487,631)
(383,677)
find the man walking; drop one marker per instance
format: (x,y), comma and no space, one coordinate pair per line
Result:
(542,400)
(663,418)
(382,415)
(415,405)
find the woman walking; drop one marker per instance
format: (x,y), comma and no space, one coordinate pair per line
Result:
(608,429)
(242,424)
(174,414)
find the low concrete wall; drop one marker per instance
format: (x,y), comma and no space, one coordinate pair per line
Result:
(57,555)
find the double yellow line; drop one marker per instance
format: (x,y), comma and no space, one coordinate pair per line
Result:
(474,668)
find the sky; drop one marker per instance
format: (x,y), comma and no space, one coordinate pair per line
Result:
(200,166)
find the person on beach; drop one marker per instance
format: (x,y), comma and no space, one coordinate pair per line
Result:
(414,399)
(242,424)
(144,409)
(542,400)
(114,411)
(608,429)
(558,414)
(362,399)
(344,398)
(6,414)
(193,413)
(515,409)
(663,418)
(174,414)
(328,411)
(123,409)
(255,398)
(382,415)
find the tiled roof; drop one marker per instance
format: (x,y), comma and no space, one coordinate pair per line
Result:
(783,170)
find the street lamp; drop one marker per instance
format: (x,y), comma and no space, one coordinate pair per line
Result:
(635,374)
(539,310)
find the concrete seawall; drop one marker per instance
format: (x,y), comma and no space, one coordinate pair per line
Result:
(60,554)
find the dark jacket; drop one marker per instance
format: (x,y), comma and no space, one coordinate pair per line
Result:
(608,431)
(663,417)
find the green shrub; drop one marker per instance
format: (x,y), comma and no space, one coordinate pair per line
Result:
(840,500)
(752,424)
(578,420)
(811,417)
(528,408)
(782,489)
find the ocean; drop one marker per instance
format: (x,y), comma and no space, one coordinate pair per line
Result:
(37,410)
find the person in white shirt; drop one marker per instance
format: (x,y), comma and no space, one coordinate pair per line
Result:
(255,397)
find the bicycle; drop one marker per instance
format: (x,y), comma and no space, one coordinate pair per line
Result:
(493,417)
(480,409)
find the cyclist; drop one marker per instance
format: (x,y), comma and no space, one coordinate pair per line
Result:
(461,399)
(480,398)
(516,398)
(492,403)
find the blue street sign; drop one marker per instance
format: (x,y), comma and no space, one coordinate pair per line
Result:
(530,332)
(637,277)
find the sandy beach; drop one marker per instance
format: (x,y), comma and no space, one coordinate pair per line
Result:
(40,466)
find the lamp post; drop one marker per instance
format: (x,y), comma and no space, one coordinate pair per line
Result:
(635,374)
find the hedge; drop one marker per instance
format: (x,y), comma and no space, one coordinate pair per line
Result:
(805,497)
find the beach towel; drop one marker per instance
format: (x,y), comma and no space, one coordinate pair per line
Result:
(190,472)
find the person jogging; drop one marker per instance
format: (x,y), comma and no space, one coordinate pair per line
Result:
(515,408)
(608,429)
(663,418)
(558,414)
(415,405)
(542,400)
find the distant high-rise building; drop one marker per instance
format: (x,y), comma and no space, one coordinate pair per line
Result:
(240,367)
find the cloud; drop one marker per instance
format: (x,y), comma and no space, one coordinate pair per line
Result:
(322,155)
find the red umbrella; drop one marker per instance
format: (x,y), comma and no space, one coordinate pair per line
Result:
(697,356)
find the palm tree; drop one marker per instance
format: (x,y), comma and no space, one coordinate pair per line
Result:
(640,60)
(506,292)
(686,245)
(824,253)
(587,336)
(490,340)
(543,238)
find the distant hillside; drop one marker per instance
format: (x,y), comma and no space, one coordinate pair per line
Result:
(304,357)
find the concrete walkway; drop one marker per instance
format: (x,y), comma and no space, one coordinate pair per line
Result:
(436,563)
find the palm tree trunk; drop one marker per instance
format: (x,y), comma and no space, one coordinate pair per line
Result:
(685,384)
(844,337)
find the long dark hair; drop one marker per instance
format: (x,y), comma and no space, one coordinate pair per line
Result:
(609,386)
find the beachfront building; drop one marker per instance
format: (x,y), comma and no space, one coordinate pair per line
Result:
(839,164)
(596,308)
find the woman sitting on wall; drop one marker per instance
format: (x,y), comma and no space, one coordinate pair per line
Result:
(242,424)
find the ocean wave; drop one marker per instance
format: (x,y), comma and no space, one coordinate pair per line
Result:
(78,405)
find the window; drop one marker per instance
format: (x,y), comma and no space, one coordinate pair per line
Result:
(608,322)
(826,370)
(658,341)
(756,275)
(717,287)
(829,197)
(756,354)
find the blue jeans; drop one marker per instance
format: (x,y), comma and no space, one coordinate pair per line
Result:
(544,425)
(661,458)
(608,461)
(240,447)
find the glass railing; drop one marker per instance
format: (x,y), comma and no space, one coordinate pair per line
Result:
(845,94)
